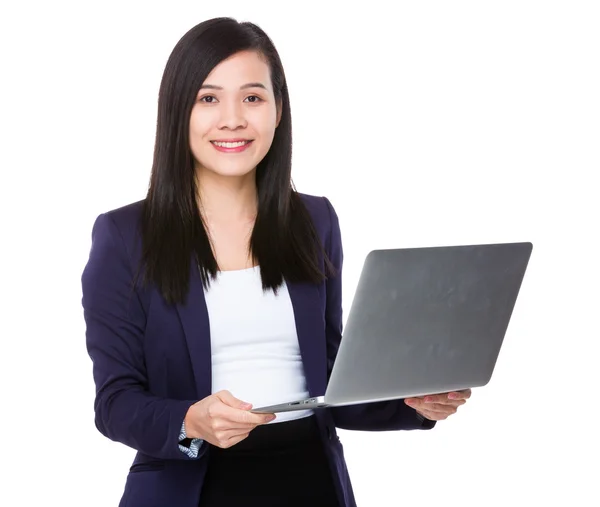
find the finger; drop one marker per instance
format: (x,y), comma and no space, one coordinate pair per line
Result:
(248,418)
(221,425)
(230,400)
(416,403)
(426,402)
(450,396)
(460,395)
(227,441)
(446,408)
(433,416)
(225,437)
(236,440)
(432,398)
(440,408)
(225,416)
(445,401)
(245,418)
(437,398)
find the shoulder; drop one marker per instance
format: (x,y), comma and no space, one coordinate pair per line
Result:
(321,211)
(120,226)
(327,225)
(127,217)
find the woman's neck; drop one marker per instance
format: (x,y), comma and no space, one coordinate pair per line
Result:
(227,198)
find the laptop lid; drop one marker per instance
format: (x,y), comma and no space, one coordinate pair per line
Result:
(427,320)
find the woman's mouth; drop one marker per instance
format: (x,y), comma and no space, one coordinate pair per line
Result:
(231,146)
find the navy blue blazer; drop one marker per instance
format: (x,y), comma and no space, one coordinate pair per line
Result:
(152,361)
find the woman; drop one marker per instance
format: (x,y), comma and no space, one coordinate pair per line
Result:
(223,234)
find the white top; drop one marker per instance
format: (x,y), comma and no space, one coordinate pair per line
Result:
(255,351)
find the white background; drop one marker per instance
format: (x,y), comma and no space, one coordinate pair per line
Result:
(432,123)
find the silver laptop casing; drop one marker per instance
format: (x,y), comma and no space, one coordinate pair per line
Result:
(423,321)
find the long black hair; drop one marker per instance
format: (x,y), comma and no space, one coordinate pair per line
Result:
(284,241)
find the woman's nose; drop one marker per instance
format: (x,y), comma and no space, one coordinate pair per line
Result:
(232,116)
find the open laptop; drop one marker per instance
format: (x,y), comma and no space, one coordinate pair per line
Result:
(423,321)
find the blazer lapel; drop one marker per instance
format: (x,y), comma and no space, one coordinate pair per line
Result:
(310,326)
(196,327)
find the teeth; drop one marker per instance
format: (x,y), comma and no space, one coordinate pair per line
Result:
(230,145)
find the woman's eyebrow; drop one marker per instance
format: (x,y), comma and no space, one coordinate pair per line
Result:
(243,87)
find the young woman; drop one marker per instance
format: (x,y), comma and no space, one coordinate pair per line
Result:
(220,291)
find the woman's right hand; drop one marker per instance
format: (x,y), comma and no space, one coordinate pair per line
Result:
(222,420)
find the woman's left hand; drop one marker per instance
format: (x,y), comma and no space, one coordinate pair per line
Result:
(438,407)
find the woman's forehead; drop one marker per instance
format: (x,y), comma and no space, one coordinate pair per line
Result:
(243,70)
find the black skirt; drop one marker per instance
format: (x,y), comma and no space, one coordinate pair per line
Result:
(280,464)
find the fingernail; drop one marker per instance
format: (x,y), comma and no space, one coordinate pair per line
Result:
(246,406)
(428,399)
(452,396)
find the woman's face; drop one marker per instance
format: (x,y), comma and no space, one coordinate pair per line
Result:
(235,106)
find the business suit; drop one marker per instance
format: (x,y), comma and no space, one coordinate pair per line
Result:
(152,361)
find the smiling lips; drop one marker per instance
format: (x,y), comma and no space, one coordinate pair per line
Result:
(233,146)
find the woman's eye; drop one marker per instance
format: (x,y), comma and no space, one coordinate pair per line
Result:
(209,99)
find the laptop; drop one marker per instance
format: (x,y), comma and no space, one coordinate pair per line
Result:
(423,321)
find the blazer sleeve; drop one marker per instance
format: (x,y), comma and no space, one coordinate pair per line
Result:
(377,416)
(125,411)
